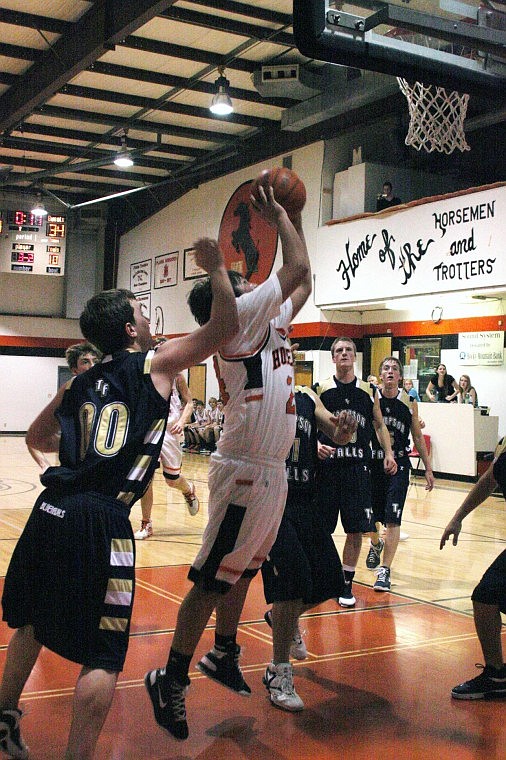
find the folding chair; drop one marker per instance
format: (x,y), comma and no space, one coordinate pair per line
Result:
(415,454)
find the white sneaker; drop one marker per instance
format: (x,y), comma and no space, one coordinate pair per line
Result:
(278,680)
(145,531)
(403,536)
(298,646)
(191,500)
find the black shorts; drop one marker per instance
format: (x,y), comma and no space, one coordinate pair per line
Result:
(389,492)
(492,587)
(71,576)
(304,562)
(345,488)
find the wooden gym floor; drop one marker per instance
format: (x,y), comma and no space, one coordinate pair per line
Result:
(377,678)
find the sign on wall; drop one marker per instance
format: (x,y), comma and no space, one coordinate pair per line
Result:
(482,348)
(248,243)
(166,270)
(191,270)
(447,245)
(140,276)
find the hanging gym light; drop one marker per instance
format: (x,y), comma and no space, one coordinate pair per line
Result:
(221,104)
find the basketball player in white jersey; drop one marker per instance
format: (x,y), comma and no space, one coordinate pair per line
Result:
(171,456)
(247,477)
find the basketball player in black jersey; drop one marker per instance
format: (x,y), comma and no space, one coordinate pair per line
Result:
(70,582)
(489,596)
(400,415)
(303,568)
(344,485)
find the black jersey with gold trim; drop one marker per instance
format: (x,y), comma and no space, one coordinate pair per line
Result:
(397,418)
(302,460)
(112,422)
(356,397)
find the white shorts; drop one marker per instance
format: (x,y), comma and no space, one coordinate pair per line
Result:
(171,455)
(246,504)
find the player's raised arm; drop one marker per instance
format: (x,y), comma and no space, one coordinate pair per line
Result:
(180,353)
(296,269)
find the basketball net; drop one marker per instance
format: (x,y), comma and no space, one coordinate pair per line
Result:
(436,117)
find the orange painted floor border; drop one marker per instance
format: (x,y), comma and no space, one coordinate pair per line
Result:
(375,685)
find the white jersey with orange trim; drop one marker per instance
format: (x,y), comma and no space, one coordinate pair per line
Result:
(175,405)
(255,376)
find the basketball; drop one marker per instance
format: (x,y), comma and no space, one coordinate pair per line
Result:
(289,189)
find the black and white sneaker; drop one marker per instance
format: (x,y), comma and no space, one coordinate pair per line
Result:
(347,599)
(374,555)
(489,684)
(278,680)
(223,667)
(383,579)
(10,737)
(167,697)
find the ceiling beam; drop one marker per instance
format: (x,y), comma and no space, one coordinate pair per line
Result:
(49,169)
(213,21)
(31,21)
(104,25)
(149,104)
(93,117)
(34,147)
(171,80)
(28,128)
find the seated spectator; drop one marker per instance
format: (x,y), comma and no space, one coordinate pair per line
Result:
(442,387)
(411,390)
(207,433)
(467,393)
(219,418)
(386,199)
(372,379)
(195,429)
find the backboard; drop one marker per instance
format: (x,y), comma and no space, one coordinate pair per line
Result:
(457,44)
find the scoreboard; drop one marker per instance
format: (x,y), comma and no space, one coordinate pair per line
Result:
(32,244)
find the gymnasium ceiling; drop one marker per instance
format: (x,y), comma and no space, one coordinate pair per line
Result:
(76,75)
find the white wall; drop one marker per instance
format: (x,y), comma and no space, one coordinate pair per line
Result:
(29,382)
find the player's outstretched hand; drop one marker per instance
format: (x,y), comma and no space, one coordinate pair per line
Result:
(452,529)
(208,254)
(267,206)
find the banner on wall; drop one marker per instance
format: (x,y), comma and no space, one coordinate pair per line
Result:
(447,245)
(484,348)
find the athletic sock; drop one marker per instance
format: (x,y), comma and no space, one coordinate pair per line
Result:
(178,666)
(225,643)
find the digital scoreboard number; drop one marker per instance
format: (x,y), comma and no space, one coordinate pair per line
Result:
(55,227)
(22,253)
(32,244)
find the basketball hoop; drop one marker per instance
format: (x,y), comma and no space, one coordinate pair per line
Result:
(436,117)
